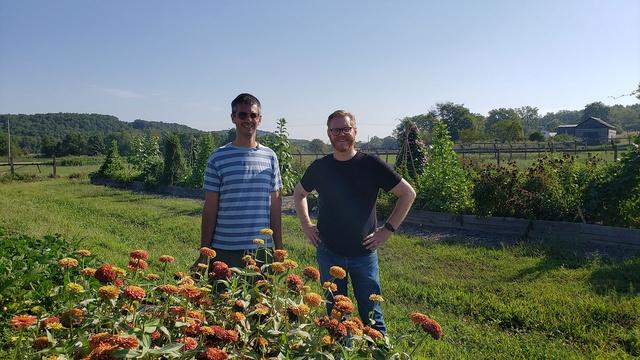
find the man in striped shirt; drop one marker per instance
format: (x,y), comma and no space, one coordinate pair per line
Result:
(242,190)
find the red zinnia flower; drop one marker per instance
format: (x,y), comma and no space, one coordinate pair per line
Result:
(294,283)
(212,353)
(106,274)
(220,271)
(167,259)
(280,254)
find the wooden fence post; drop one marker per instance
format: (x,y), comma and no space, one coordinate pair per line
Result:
(615,150)
(54,165)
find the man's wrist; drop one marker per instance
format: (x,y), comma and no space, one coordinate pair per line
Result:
(389,227)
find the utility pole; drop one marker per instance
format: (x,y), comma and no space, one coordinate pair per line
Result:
(9,146)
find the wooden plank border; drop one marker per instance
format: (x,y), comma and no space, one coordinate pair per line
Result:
(529,229)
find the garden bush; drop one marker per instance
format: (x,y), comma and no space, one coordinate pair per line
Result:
(444,185)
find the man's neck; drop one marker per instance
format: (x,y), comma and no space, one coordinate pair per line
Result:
(245,142)
(344,155)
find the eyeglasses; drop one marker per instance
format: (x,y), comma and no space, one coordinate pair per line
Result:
(337,131)
(245,115)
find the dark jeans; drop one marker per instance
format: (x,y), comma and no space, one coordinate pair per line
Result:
(365,279)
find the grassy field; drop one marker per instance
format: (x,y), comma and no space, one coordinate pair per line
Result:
(522,301)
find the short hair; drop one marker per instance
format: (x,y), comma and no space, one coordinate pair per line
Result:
(342,113)
(246,99)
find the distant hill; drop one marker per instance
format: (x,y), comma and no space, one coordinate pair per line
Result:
(29,131)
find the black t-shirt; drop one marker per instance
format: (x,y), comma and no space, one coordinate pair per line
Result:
(347,199)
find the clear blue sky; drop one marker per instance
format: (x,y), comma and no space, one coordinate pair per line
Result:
(184,62)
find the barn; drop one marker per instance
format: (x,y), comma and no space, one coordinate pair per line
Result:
(591,130)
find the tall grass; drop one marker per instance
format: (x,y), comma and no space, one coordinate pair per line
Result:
(517,301)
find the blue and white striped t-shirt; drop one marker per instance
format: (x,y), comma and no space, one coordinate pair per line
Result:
(244,178)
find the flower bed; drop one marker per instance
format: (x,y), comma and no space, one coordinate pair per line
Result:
(261,311)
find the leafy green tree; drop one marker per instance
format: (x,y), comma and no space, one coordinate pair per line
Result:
(279,143)
(508,130)
(389,143)
(444,185)
(204,149)
(4,151)
(95,145)
(412,153)
(595,109)
(175,165)
(112,165)
(317,146)
(145,157)
(456,116)
(530,118)
(49,146)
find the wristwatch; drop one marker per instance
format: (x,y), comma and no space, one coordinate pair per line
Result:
(389,227)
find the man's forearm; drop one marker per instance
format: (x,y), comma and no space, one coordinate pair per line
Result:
(276,222)
(302,208)
(400,210)
(206,230)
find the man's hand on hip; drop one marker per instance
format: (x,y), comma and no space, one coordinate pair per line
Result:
(376,239)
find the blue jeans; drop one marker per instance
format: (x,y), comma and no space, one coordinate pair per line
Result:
(365,279)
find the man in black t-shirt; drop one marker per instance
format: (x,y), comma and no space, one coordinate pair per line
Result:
(347,235)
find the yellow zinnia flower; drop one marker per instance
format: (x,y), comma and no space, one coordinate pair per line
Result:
(266,231)
(75,288)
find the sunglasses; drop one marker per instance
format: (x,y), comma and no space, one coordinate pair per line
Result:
(245,115)
(337,131)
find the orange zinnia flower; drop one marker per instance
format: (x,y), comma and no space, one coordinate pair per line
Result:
(343,304)
(312,273)
(189,343)
(83,252)
(312,299)
(137,264)
(372,333)
(328,285)
(290,264)
(238,317)
(88,271)
(139,254)
(208,252)
(278,267)
(280,254)
(67,263)
(134,292)
(337,272)
(427,324)
(127,342)
(169,289)
(23,321)
(167,259)
(152,276)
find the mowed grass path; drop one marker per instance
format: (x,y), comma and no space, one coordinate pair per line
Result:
(520,301)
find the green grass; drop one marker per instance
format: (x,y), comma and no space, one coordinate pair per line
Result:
(522,301)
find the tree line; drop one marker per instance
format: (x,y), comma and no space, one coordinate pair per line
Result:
(91,134)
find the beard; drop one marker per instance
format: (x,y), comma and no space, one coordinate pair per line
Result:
(343,143)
